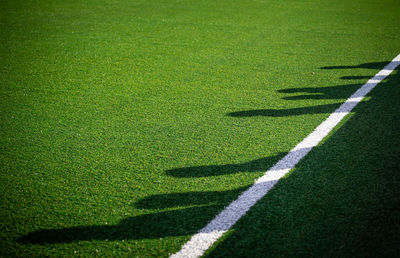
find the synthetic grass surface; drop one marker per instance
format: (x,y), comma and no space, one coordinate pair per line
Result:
(341,200)
(127,125)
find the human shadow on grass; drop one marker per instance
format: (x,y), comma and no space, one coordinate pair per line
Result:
(319,109)
(257,165)
(336,92)
(355,77)
(150,226)
(372,65)
(315,93)
(163,201)
(331,92)
(184,221)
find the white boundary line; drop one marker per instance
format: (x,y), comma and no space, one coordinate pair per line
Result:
(208,235)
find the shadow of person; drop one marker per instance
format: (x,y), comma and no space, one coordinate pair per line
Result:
(355,77)
(216,170)
(179,222)
(150,226)
(372,65)
(316,93)
(163,201)
(319,109)
(331,92)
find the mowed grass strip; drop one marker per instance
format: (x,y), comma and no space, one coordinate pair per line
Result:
(127,125)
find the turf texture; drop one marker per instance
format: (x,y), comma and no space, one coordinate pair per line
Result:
(127,125)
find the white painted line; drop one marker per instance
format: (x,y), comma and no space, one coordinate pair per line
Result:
(208,235)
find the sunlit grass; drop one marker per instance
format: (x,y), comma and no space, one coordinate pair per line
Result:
(127,125)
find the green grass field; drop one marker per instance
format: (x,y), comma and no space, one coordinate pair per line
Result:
(126,126)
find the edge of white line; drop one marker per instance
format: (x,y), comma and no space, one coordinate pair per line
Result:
(207,236)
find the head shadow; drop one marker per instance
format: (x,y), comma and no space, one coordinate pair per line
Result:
(165,201)
(331,92)
(319,109)
(257,165)
(150,226)
(339,92)
(186,220)
(372,65)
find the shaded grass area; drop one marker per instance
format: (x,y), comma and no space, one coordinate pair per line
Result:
(343,199)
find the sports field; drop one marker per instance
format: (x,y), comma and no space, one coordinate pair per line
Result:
(127,125)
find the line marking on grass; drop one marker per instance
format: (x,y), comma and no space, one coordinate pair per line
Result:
(208,235)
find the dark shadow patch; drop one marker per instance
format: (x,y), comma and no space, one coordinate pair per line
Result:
(356,77)
(163,201)
(332,92)
(151,226)
(320,109)
(372,65)
(180,222)
(216,170)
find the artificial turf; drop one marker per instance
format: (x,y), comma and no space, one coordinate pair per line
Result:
(342,200)
(127,125)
